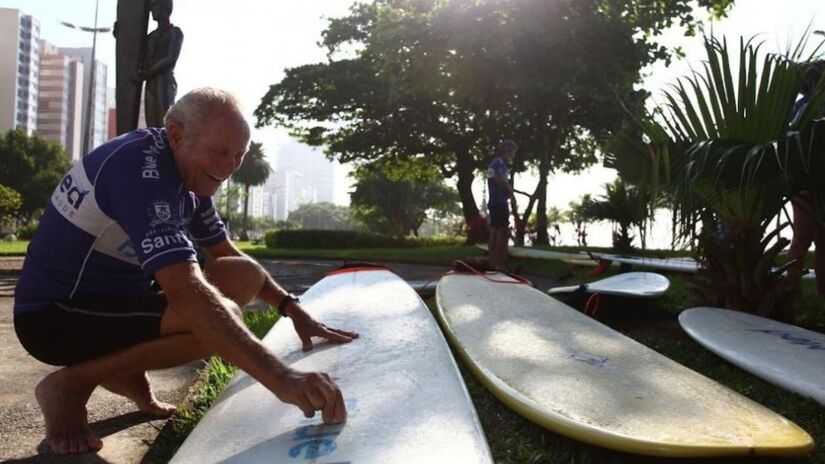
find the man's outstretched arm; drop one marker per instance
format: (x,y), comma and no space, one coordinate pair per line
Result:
(273,294)
(215,320)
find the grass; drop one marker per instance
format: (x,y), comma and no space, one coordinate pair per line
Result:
(215,376)
(423,255)
(13,248)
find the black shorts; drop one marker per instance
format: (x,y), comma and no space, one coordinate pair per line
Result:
(90,326)
(499,214)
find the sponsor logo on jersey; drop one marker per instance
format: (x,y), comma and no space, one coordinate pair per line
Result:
(161,213)
(149,170)
(153,244)
(127,249)
(69,196)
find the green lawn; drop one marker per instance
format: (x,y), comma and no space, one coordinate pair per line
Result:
(13,248)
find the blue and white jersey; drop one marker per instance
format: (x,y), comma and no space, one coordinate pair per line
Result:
(120,214)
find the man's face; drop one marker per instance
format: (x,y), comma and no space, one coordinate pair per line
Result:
(207,159)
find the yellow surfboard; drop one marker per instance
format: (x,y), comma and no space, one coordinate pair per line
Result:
(575,376)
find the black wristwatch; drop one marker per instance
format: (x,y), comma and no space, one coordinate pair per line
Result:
(287,299)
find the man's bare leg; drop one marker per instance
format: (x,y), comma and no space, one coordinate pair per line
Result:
(138,388)
(62,395)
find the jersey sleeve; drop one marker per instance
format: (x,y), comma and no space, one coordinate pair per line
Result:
(148,208)
(206,227)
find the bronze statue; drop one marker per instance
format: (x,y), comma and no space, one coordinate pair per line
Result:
(130,32)
(162,50)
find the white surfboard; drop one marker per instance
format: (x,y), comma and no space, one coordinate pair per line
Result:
(630,284)
(782,354)
(405,397)
(535,253)
(571,374)
(683,264)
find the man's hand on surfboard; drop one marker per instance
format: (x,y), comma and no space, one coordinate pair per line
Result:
(314,391)
(307,327)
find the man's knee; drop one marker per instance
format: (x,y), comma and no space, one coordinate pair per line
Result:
(238,277)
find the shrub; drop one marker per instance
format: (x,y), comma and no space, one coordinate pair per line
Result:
(26,232)
(329,239)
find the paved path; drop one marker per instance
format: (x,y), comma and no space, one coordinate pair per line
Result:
(127,435)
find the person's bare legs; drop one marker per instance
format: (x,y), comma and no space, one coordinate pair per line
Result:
(803,235)
(502,246)
(62,395)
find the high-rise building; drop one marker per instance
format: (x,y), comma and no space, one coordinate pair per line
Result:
(19,70)
(316,170)
(97,130)
(60,99)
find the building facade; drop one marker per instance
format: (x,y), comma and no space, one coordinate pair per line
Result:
(19,70)
(60,99)
(97,130)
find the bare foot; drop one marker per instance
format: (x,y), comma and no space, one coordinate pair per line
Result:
(137,388)
(64,409)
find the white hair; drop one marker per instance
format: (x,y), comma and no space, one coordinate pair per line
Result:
(197,107)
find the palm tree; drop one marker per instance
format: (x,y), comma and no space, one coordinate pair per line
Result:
(624,205)
(723,150)
(253,171)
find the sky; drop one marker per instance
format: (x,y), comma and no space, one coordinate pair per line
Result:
(244,46)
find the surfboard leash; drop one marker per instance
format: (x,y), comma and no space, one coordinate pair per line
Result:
(517,278)
(591,307)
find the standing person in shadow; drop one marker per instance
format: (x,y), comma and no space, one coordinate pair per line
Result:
(500,193)
(162,51)
(806,227)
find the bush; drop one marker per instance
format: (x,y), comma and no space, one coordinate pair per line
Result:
(26,232)
(329,239)
(435,241)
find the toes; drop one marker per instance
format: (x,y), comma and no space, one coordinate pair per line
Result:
(93,442)
(58,446)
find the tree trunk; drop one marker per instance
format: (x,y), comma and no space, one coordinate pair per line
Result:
(542,237)
(476,226)
(244,235)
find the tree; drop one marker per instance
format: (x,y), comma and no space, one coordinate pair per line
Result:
(626,207)
(32,166)
(254,171)
(323,215)
(10,203)
(446,80)
(396,204)
(577,216)
(724,152)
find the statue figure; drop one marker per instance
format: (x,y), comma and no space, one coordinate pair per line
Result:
(162,50)
(130,31)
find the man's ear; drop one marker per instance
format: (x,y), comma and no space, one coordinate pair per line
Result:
(176,133)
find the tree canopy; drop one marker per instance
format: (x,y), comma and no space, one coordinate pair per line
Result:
(32,166)
(397,202)
(322,216)
(447,79)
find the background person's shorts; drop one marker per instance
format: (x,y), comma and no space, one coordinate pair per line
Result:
(499,214)
(89,326)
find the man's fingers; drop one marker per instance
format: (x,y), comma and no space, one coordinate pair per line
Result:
(306,406)
(336,335)
(340,408)
(306,341)
(351,335)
